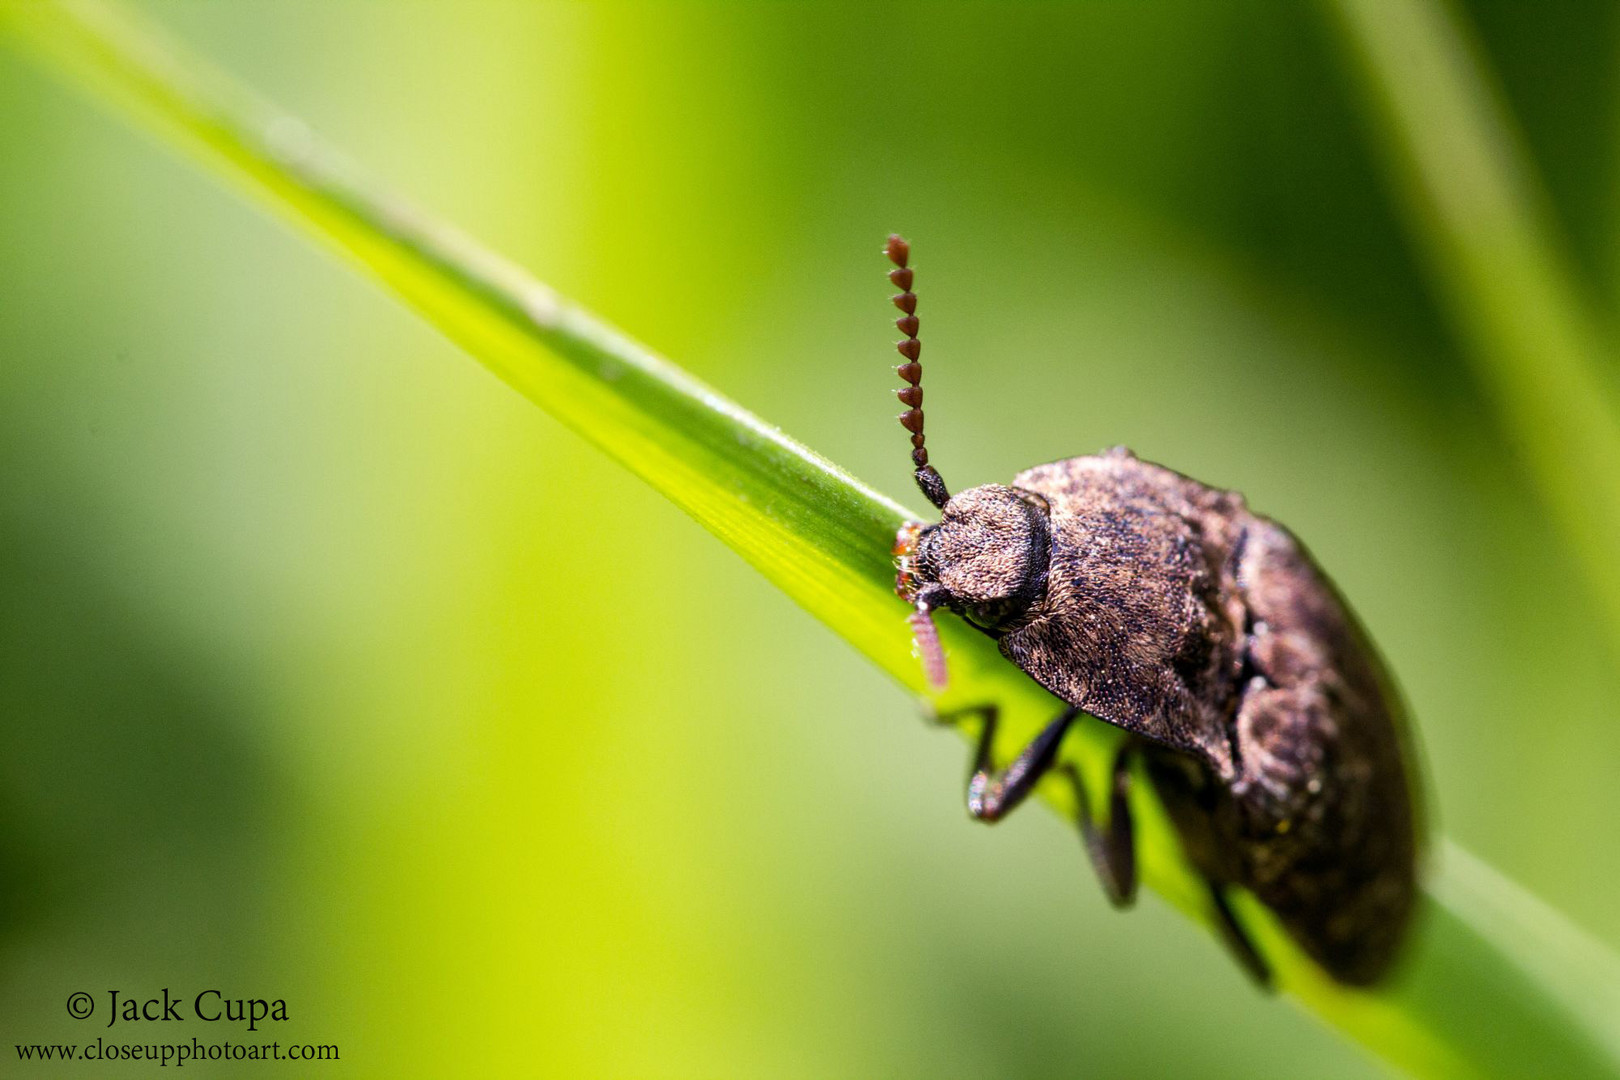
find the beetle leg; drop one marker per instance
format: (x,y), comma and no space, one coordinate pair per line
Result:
(1113,847)
(1237,939)
(994,793)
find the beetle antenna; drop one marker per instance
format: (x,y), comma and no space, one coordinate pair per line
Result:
(911,395)
(926,637)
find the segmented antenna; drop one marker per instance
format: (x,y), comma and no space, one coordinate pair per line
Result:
(911,395)
(926,637)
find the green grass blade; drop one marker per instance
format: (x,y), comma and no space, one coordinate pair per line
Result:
(1473,203)
(1467,1003)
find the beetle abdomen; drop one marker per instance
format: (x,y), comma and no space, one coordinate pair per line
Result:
(1324,829)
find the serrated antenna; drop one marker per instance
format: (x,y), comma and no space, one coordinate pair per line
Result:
(911,395)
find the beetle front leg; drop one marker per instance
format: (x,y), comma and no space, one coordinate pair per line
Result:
(994,793)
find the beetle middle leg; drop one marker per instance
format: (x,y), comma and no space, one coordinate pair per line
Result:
(1113,846)
(993,793)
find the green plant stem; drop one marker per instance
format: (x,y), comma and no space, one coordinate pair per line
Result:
(1459,168)
(1465,1003)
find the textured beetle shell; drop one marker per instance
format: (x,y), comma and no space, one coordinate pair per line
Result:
(1175,613)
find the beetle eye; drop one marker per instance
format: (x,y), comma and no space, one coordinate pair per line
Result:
(996,614)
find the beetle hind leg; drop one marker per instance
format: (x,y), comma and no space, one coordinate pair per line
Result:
(1237,939)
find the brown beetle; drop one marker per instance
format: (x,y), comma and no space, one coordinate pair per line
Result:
(1260,711)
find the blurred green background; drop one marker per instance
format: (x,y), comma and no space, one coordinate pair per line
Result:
(332,670)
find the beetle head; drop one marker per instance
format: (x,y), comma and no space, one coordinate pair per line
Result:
(986,559)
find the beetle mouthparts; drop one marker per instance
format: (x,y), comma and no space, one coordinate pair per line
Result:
(905,553)
(924,635)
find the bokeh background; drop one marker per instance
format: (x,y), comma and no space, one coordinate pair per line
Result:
(332,670)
